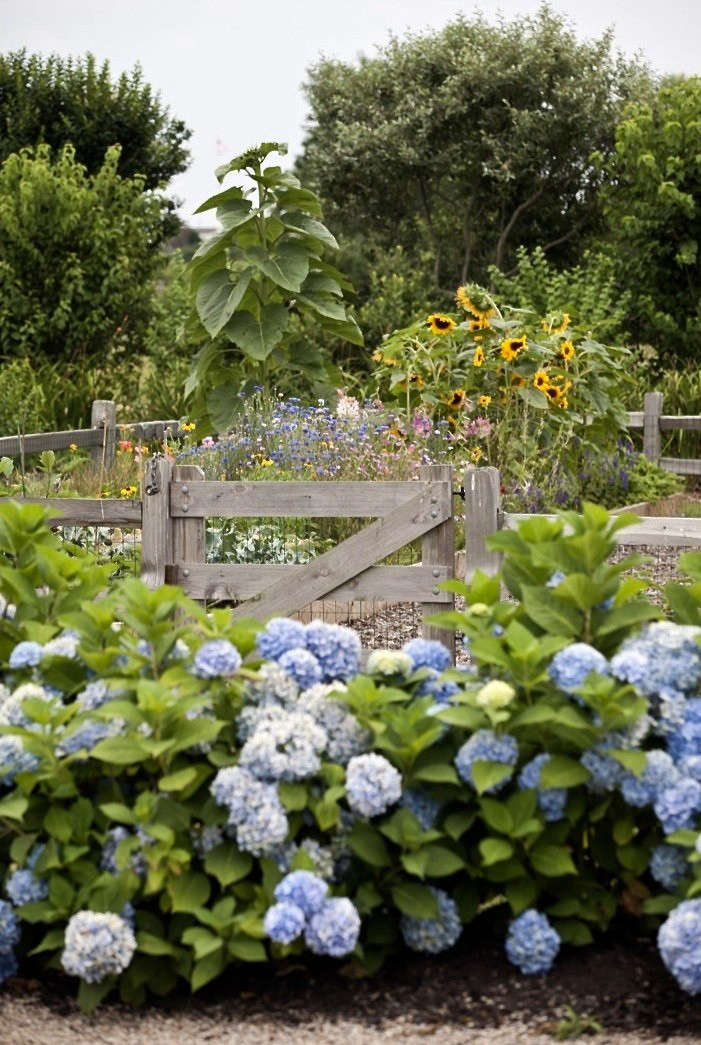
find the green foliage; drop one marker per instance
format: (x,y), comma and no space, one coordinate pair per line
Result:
(23,404)
(469,140)
(649,482)
(77,255)
(652,209)
(268,262)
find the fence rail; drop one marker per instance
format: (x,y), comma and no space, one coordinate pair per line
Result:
(653,422)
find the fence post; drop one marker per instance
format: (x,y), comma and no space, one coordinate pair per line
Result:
(189,535)
(104,415)
(156,523)
(481,519)
(652,436)
(438,549)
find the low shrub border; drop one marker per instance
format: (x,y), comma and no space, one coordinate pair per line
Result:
(182,792)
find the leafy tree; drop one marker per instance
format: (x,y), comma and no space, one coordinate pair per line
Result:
(469,141)
(77,256)
(653,208)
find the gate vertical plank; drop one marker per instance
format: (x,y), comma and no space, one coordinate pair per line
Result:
(652,436)
(156,523)
(438,549)
(189,534)
(104,416)
(481,519)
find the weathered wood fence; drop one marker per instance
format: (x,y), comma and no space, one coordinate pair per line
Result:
(653,423)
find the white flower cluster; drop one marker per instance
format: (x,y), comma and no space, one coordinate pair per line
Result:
(97,945)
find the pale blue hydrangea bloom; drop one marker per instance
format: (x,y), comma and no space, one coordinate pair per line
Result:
(372,785)
(24,887)
(427,653)
(685,740)
(218,658)
(663,655)
(64,645)
(258,717)
(272,684)
(691,766)
(94,695)
(10,930)
(668,866)
(570,666)
(302,666)
(284,922)
(288,748)
(254,808)
(433,935)
(679,943)
(658,774)
(206,837)
(25,655)
(84,738)
(97,945)
(424,807)
(486,746)
(440,689)
(334,930)
(606,773)
(532,943)
(280,635)
(8,964)
(346,737)
(551,800)
(12,712)
(306,890)
(678,806)
(336,648)
(556,578)
(108,859)
(321,856)
(669,706)
(14,759)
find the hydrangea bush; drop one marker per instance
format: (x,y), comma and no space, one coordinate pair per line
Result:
(180,791)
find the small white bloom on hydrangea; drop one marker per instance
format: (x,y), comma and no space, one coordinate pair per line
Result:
(97,945)
(372,785)
(389,662)
(495,695)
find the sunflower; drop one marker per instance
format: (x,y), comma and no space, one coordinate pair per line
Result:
(556,323)
(476,454)
(475,300)
(417,381)
(478,358)
(456,399)
(566,351)
(441,324)
(517,381)
(478,324)
(541,380)
(484,400)
(511,347)
(377,356)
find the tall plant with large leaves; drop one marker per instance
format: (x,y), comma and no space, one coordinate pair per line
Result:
(267,265)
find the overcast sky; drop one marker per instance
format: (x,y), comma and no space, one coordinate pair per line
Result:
(233,70)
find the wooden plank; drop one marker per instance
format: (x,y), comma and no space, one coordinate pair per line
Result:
(233,582)
(103,417)
(652,437)
(12,445)
(481,519)
(681,465)
(685,422)
(150,431)
(83,511)
(653,530)
(438,550)
(189,536)
(305,499)
(635,419)
(430,506)
(156,526)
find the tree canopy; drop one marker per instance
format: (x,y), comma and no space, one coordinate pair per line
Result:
(470,141)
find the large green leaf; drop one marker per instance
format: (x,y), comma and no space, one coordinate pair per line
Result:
(217,300)
(287,267)
(550,613)
(232,213)
(494,850)
(190,891)
(415,900)
(325,304)
(227,864)
(299,222)
(551,860)
(257,337)
(234,193)
(367,843)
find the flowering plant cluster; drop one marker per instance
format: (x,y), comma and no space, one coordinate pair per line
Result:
(180,791)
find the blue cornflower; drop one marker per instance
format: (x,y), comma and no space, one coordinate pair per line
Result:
(25,655)
(284,922)
(679,943)
(433,935)
(677,806)
(218,658)
(427,653)
(486,746)
(571,665)
(372,785)
(532,943)
(336,648)
(97,945)
(280,635)
(305,890)
(668,865)
(551,800)
(334,930)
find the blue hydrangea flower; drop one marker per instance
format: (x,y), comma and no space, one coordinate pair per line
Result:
(205,838)
(25,655)
(336,648)
(305,890)
(668,866)
(14,759)
(372,785)
(272,685)
(8,964)
(218,658)
(94,695)
(606,773)
(532,943)
(685,740)
(677,806)
(551,800)
(658,774)
(254,809)
(440,689)
(662,655)
(486,746)
(64,645)
(346,737)
(280,635)
(10,930)
(556,578)
(302,666)
(433,935)
(679,944)
(108,859)
(23,887)
(97,945)
(334,930)
(570,666)
(287,748)
(427,653)
(424,807)
(284,922)
(84,738)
